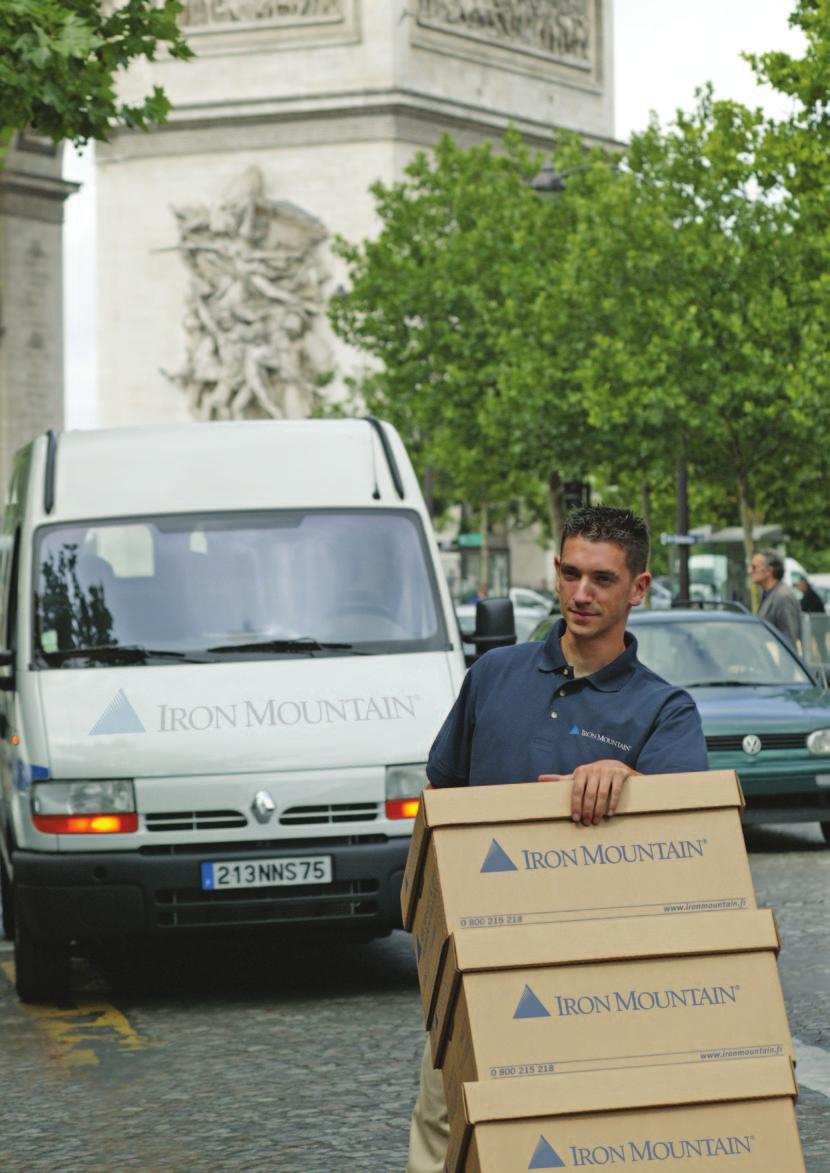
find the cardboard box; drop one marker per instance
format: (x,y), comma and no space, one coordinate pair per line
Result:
(495,856)
(635,993)
(691,1117)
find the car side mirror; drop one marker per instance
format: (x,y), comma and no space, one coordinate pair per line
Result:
(495,626)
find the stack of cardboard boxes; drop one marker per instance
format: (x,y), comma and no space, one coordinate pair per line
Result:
(600,996)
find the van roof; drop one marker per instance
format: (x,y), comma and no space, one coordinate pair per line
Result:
(224,466)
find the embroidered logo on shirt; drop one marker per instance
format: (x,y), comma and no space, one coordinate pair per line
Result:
(577,732)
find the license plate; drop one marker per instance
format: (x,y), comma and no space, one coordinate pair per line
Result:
(267,873)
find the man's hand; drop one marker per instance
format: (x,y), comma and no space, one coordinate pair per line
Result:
(596,789)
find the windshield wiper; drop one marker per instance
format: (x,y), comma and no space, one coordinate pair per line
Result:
(734,684)
(119,654)
(305,643)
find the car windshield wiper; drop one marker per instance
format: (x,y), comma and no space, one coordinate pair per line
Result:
(734,684)
(120,654)
(286,647)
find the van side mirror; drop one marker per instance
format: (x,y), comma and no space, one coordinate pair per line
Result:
(6,661)
(495,626)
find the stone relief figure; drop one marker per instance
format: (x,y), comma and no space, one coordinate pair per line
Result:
(561,28)
(205,12)
(253,321)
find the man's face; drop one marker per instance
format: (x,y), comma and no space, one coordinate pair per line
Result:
(595,586)
(759,572)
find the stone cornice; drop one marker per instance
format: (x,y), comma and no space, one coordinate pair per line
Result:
(407,115)
(34,197)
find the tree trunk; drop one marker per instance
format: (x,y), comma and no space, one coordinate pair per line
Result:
(556,502)
(748,524)
(684,585)
(485,550)
(645,510)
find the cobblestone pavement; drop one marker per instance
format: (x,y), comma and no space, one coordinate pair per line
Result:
(303,1058)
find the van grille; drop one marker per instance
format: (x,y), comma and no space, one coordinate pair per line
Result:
(195,821)
(188,907)
(232,849)
(344,812)
(734,741)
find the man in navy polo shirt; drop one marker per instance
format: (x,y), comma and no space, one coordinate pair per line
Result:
(580,705)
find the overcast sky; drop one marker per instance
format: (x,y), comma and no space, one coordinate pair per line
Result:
(664,49)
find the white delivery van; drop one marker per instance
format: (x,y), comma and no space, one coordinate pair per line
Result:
(228,649)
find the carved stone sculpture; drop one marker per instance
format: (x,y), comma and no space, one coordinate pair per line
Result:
(255,347)
(559,28)
(206,12)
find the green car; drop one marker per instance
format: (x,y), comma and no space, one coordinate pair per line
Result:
(765,714)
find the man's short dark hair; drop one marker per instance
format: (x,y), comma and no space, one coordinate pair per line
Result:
(602,523)
(775,562)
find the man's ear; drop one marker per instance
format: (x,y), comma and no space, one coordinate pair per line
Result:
(639,587)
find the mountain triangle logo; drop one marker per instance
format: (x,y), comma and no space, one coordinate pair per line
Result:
(497,860)
(545,1156)
(118,717)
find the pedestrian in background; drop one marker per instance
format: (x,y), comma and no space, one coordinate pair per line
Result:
(810,600)
(779,605)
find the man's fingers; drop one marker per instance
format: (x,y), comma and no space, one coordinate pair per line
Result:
(553,777)
(592,788)
(603,795)
(577,792)
(616,791)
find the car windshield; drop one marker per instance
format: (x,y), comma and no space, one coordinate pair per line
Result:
(320,582)
(716,652)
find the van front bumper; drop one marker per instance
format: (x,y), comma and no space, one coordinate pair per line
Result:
(101,895)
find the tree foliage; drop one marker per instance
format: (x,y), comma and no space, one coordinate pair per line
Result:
(60,61)
(668,301)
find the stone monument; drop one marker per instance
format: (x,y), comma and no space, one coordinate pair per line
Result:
(32,194)
(214,267)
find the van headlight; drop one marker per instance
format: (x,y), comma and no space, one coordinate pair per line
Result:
(819,741)
(403,788)
(85,807)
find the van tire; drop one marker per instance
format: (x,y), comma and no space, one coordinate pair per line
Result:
(41,967)
(6,902)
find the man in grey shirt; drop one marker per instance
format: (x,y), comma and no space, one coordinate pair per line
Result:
(779,605)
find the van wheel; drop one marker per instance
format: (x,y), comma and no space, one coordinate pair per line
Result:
(41,967)
(6,902)
(825,830)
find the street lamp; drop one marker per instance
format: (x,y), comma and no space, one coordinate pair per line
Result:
(549,181)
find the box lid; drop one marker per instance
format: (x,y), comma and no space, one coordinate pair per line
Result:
(585,942)
(604,1091)
(546,801)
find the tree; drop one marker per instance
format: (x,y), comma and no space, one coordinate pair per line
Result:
(60,60)
(436,300)
(665,303)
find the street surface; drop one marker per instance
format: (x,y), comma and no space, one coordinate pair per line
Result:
(304,1059)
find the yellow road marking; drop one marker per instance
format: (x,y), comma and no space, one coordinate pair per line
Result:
(90,1020)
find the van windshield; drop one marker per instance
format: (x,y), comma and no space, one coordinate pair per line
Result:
(233,586)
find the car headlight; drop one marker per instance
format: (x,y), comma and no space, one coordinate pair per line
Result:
(819,741)
(84,807)
(403,788)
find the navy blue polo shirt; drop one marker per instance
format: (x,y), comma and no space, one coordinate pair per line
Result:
(521,713)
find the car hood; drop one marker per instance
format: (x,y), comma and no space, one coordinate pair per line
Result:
(772,707)
(244,716)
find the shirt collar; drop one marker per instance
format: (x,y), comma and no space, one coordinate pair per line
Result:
(610,678)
